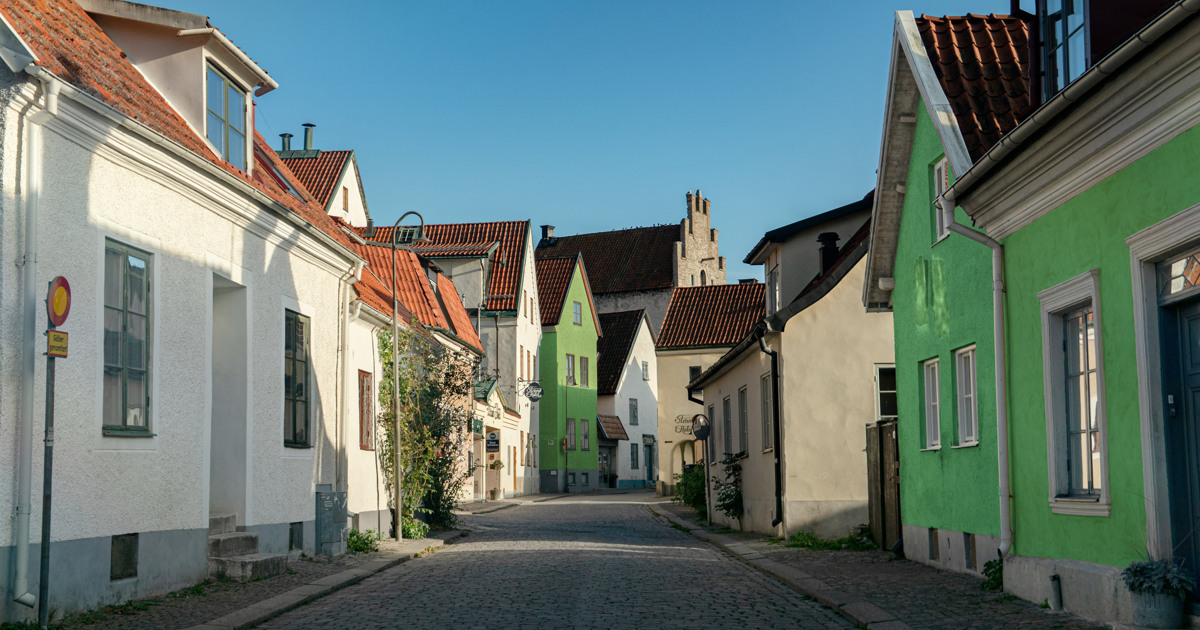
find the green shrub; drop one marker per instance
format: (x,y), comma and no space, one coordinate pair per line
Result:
(993,576)
(729,492)
(362,541)
(1157,576)
(689,489)
(413,529)
(858,540)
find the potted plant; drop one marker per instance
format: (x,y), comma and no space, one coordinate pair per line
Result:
(1158,588)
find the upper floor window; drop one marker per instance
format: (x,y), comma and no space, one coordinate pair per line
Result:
(1064,42)
(633,412)
(577,314)
(570,369)
(645,370)
(941,181)
(693,372)
(583,371)
(126,340)
(226,120)
(773,290)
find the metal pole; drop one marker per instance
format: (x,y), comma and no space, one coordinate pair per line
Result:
(48,470)
(707,484)
(398,493)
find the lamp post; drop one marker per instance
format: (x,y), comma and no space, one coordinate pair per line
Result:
(397,495)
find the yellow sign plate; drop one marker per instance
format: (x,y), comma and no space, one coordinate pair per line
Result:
(56,344)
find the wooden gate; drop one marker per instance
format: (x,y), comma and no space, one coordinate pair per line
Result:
(883,483)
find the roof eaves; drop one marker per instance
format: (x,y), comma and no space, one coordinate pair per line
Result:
(781,234)
(936,102)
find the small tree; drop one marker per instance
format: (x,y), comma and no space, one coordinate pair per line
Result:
(690,489)
(729,491)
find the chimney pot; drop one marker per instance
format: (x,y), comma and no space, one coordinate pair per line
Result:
(829,249)
(747,281)
(287,141)
(308,136)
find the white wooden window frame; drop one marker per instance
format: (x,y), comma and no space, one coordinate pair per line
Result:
(1057,301)
(577,313)
(941,181)
(768,429)
(931,404)
(966,385)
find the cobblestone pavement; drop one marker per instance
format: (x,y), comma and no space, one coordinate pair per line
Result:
(596,561)
(919,595)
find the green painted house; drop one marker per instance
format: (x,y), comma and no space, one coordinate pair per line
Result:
(1085,191)
(567,368)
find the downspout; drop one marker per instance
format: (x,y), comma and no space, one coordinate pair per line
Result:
(947,208)
(33,187)
(762,345)
(341,390)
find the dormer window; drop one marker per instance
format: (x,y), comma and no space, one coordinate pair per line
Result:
(1064,37)
(226,120)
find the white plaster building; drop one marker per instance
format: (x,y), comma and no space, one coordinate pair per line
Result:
(627,400)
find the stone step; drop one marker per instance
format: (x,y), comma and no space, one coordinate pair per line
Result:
(234,544)
(247,568)
(222,524)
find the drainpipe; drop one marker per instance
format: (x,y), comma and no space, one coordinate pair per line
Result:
(947,207)
(762,345)
(33,187)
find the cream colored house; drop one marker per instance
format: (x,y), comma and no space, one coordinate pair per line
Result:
(817,357)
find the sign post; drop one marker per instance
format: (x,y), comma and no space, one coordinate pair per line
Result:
(58,306)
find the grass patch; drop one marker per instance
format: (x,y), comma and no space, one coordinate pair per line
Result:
(857,541)
(680,527)
(132,607)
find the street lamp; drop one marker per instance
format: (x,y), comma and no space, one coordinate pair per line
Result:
(397,518)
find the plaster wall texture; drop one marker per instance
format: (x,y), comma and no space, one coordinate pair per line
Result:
(1088,232)
(366,493)
(758,467)
(633,386)
(942,303)
(655,304)
(354,209)
(827,358)
(675,411)
(801,254)
(953,549)
(468,279)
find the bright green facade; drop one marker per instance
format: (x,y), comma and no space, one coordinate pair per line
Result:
(560,402)
(942,303)
(1088,232)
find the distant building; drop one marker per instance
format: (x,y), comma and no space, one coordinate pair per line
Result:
(638,268)
(627,403)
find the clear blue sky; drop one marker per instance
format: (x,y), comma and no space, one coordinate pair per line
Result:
(590,115)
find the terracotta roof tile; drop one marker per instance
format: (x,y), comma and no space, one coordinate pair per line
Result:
(74,48)
(320,174)
(553,282)
(505,281)
(637,259)
(611,428)
(982,62)
(620,330)
(712,315)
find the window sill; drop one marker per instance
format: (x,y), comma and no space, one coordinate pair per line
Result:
(295,445)
(769,449)
(1079,507)
(124,432)
(931,449)
(966,445)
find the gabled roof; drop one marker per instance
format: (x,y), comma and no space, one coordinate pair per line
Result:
(321,173)
(779,235)
(504,286)
(982,63)
(554,277)
(620,331)
(712,315)
(70,45)
(635,259)
(611,428)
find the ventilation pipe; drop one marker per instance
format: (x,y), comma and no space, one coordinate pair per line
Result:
(829,250)
(33,168)
(287,141)
(947,208)
(308,134)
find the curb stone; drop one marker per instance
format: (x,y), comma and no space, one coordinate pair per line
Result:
(270,608)
(858,611)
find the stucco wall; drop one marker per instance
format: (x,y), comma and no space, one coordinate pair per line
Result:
(675,411)
(655,304)
(354,209)
(367,494)
(632,385)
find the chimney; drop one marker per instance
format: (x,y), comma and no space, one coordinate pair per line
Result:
(548,238)
(746,281)
(308,133)
(369,232)
(287,141)
(829,249)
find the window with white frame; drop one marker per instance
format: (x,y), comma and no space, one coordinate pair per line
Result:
(728,422)
(226,119)
(941,181)
(633,412)
(570,369)
(929,370)
(570,434)
(1073,380)
(645,370)
(127,306)
(768,427)
(886,407)
(743,420)
(577,313)
(968,403)
(773,290)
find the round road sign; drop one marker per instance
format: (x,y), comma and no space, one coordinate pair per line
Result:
(58,301)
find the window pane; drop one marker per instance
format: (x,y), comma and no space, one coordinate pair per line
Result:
(300,346)
(289,420)
(112,396)
(135,398)
(216,92)
(1079,454)
(1093,400)
(301,423)
(113,278)
(1090,342)
(887,379)
(237,109)
(112,337)
(216,133)
(289,384)
(237,150)
(135,342)
(137,285)
(1076,56)
(1074,14)
(289,335)
(887,404)
(300,378)
(1076,403)
(1094,458)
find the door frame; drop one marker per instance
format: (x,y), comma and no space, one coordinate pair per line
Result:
(1147,247)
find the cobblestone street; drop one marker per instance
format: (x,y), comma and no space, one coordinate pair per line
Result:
(600,561)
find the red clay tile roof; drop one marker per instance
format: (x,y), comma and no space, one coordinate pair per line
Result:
(620,330)
(71,46)
(505,282)
(982,62)
(611,428)
(553,282)
(637,259)
(712,315)
(320,174)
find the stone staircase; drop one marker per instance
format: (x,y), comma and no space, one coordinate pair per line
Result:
(233,555)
